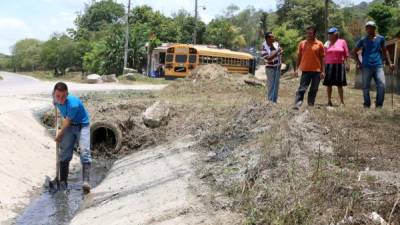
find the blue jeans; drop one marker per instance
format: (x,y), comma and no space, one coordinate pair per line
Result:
(72,135)
(273,76)
(379,77)
(305,80)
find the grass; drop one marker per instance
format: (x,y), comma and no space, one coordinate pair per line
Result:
(49,76)
(292,183)
(139,78)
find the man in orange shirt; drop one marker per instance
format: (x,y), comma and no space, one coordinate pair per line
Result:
(310,61)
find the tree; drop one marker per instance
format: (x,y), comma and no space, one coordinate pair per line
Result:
(59,53)
(183,22)
(99,13)
(26,54)
(382,15)
(297,14)
(5,62)
(221,32)
(106,55)
(289,40)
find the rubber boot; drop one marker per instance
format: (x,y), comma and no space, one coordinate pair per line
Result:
(86,178)
(64,170)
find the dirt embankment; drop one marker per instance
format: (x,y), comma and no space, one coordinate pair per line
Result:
(268,163)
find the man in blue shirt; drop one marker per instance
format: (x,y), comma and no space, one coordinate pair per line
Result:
(75,129)
(373,51)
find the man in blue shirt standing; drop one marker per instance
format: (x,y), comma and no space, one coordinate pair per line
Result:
(75,129)
(373,51)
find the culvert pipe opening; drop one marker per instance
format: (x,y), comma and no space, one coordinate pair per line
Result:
(105,139)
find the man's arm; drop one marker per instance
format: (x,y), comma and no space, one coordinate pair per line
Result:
(355,52)
(299,56)
(387,57)
(321,58)
(355,55)
(66,123)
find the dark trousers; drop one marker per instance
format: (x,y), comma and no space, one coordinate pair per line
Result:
(305,80)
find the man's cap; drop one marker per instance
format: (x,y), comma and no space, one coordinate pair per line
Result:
(370,24)
(333,30)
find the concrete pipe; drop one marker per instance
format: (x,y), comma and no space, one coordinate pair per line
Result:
(107,135)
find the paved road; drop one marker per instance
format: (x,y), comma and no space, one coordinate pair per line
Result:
(14,84)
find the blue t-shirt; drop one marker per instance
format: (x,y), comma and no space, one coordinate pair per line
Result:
(74,110)
(372,55)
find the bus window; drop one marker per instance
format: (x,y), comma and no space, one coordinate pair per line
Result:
(209,59)
(180,58)
(169,58)
(192,58)
(161,58)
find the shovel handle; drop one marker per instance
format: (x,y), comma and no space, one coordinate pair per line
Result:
(57,146)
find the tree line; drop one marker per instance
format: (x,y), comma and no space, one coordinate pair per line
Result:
(96,44)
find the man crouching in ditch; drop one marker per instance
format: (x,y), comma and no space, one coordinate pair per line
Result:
(75,129)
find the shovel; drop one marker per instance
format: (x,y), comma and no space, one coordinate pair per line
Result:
(54,185)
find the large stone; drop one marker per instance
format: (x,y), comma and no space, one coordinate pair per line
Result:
(93,79)
(129,70)
(156,115)
(109,78)
(130,76)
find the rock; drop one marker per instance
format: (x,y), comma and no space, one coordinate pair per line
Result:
(130,76)
(254,82)
(156,115)
(93,79)
(109,78)
(129,70)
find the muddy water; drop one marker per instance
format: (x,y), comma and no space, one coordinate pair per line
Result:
(60,207)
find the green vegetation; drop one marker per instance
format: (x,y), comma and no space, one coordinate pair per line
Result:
(5,62)
(96,45)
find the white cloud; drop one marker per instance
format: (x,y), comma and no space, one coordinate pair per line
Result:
(8,23)
(12,29)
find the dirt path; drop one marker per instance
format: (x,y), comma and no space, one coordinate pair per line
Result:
(26,150)
(154,186)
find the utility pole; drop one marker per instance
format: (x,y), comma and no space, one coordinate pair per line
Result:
(195,22)
(127,35)
(326,21)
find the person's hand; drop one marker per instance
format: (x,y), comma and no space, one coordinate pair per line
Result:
(296,73)
(358,65)
(58,137)
(322,75)
(347,67)
(391,66)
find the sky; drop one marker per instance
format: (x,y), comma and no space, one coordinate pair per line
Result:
(39,19)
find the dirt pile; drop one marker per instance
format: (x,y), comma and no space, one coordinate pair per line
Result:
(209,72)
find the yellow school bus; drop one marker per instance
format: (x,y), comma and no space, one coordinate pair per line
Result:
(181,59)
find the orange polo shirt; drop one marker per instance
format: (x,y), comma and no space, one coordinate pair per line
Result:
(312,52)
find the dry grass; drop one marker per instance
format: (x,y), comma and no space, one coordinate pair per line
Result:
(306,171)
(140,79)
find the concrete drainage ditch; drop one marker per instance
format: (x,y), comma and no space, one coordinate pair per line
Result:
(61,207)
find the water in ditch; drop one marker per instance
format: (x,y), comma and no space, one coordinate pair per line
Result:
(60,207)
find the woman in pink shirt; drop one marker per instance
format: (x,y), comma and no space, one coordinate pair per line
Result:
(336,65)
